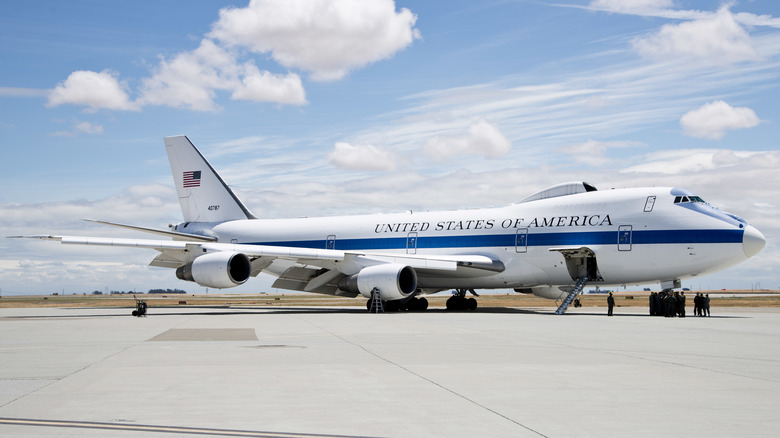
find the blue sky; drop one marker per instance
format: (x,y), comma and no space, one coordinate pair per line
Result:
(327,108)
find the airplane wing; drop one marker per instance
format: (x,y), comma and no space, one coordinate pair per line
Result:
(304,269)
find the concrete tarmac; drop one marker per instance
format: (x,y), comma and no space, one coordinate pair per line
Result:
(322,372)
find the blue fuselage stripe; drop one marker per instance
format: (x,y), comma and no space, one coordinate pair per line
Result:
(637,237)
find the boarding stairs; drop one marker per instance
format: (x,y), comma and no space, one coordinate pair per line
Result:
(376,302)
(578,286)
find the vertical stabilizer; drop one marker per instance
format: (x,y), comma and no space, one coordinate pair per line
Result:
(203,195)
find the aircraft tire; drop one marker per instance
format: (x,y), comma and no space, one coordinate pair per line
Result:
(451,303)
(422,304)
(392,305)
(459,304)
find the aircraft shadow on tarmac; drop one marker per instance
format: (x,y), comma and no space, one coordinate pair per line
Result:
(230,310)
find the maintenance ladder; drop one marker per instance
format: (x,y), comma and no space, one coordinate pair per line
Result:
(376,302)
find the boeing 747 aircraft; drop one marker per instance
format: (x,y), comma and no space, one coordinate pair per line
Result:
(550,244)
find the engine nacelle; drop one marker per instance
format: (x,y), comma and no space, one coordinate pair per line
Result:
(219,270)
(393,281)
(549,292)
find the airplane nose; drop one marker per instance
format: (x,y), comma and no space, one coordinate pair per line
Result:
(752,241)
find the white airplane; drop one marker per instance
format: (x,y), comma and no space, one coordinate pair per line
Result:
(550,244)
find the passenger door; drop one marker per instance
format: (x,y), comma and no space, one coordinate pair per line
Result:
(624,238)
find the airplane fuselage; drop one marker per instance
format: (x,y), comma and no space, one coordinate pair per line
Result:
(635,236)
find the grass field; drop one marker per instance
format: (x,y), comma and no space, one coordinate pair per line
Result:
(623,299)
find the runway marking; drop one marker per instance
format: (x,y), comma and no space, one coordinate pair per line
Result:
(163,429)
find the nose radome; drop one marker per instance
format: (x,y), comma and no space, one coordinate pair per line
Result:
(752,241)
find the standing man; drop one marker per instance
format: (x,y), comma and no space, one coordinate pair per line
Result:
(706,305)
(610,304)
(652,303)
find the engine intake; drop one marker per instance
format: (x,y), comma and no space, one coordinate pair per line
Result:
(394,281)
(219,270)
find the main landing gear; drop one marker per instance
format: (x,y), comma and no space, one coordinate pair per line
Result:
(459,302)
(413,304)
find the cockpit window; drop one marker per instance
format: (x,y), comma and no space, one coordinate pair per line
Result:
(679,199)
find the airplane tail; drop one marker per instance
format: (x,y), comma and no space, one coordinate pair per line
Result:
(203,195)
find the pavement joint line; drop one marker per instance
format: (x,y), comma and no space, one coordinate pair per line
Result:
(163,429)
(666,362)
(439,385)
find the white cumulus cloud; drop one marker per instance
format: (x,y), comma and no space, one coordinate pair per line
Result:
(326,38)
(484,138)
(717,37)
(263,86)
(362,157)
(92,89)
(712,120)
(191,79)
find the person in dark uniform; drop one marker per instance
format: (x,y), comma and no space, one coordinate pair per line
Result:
(652,303)
(706,305)
(610,304)
(677,303)
(696,301)
(681,310)
(668,304)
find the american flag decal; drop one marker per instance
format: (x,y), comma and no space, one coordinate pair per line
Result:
(191,179)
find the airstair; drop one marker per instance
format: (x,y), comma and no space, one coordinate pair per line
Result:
(578,286)
(376,302)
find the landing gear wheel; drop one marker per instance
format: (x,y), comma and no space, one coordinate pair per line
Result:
(416,305)
(459,302)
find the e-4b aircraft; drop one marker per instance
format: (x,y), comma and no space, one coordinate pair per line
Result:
(550,244)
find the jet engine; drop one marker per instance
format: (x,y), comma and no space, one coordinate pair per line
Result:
(393,281)
(549,292)
(219,270)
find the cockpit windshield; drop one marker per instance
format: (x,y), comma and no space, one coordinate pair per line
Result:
(688,198)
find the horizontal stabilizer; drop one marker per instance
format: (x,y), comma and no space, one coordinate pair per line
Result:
(174,234)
